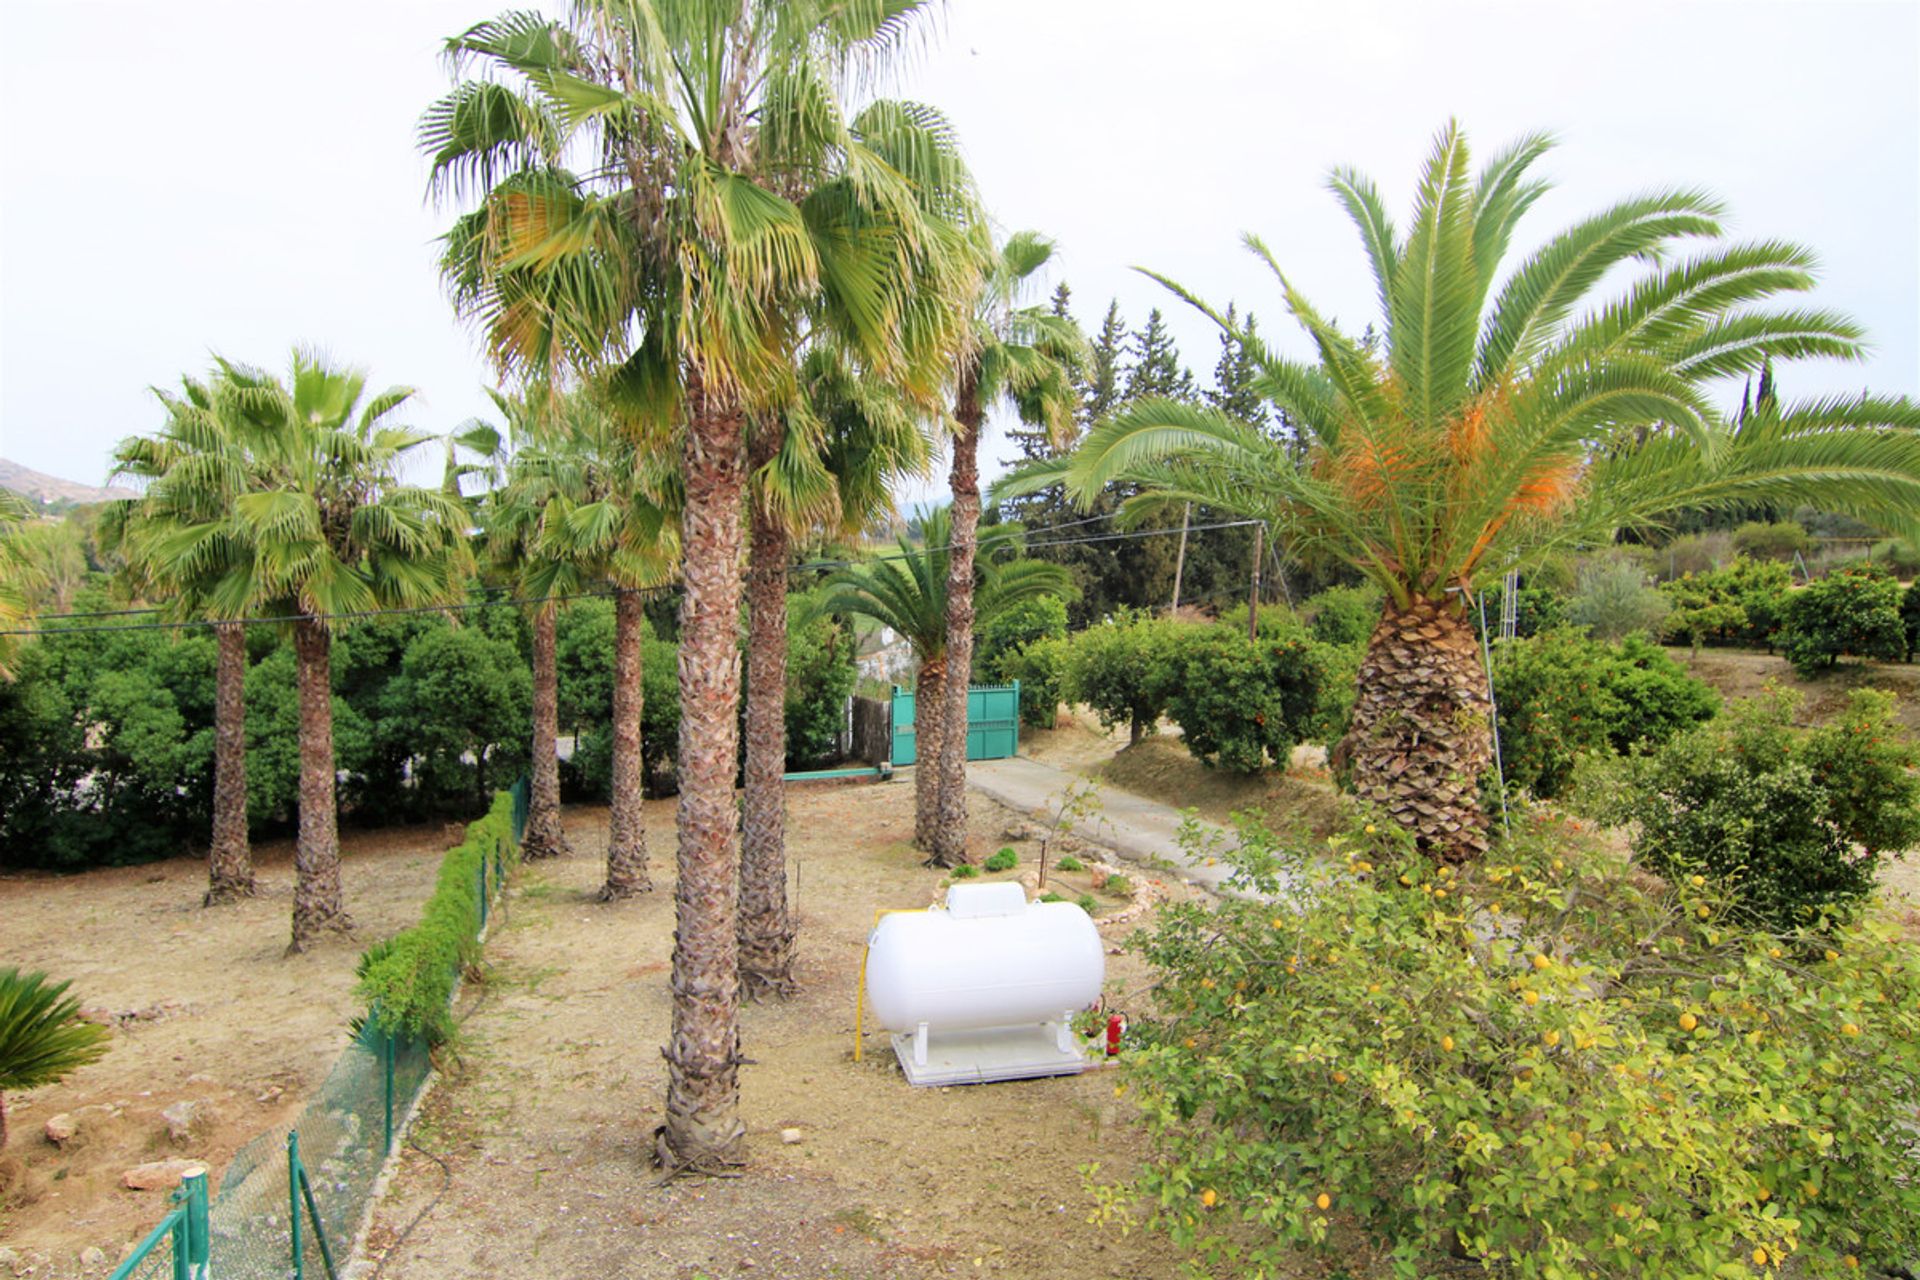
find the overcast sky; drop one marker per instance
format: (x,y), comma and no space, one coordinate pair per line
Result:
(187,177)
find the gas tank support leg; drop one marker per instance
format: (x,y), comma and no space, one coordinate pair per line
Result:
(920,1046)
(1066,1032)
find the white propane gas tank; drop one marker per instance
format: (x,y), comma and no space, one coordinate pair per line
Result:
(989,959)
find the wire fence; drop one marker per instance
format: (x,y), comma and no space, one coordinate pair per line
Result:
(293,1205)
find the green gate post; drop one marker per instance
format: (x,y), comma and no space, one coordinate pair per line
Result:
(293,1202)
(199,1243)
(1016,717)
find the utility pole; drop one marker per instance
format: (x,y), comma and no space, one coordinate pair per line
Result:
(1180,561)
(1253,600)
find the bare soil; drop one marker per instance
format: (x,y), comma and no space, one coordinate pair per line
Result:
(205,1007)
(540,1134)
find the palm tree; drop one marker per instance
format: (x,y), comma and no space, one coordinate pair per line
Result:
(327,532)
(583,506)
(16,606)
(1493,425)
(728,198)
(908,591)
(1027,356)
(826,462)
(183,543)
(42,1036)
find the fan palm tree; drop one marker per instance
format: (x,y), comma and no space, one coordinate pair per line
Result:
(1500,419)
(825,463)
(583,506)
(42,1036)
(728,198)
(183,544)
(907,591)
(1028,357)
(326,531)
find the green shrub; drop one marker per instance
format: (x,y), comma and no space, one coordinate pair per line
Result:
(1372,1070)
(1051,896)
(1070,863)
(1535,609)
(1086,903)
(1778,541)
(1124,670)
(1896,555)
(1242,704)
(1792,824)
(820,676)
(1743,603)
(1612,600)
(407,980)
(1562,695)
(1854,612)
(1343,615)
(1119,886)
(1041,618)
(1005,860)
(1041,668)
(1910,619)
(965,871)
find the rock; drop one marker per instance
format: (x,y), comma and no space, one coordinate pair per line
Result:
(1021,831)
(157,1175)
(180,1118)
(93,1256)
(201,1078)
(790,1136)
(1097,877)
(61,1128)
(9,1257)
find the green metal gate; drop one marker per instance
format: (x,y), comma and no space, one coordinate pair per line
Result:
(993,723)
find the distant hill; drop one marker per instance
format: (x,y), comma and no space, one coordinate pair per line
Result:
(53,491)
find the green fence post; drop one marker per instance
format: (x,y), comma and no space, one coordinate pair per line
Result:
(293,1202)
(389,1066)
(177,1241)
(199,1245)
(483,890)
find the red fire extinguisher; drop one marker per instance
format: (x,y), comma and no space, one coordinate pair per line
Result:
(1116,1027)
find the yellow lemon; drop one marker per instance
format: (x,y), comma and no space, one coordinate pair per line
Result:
(1531,997)
(1759,1257)
(1208,1198)
(1191,1042)
(1446,1044)
(1848,1028)
(1688,1022)
(1407,880)
(1703,913)
(1774,952)
(1370,828)
(1763,1195)
(1324,1201)
(1439,893)
(1832,956)
(1551,1039)
(1698,881)
(1373,988)
(1852,1261)
(1541,962)
(1278,923)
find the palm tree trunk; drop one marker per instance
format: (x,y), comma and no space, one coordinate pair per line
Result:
(230,863)
(1422,730)
(317,900)
(703,1129)
(950,834)
(627,831)
(766,929)
(545,837)
(929,720)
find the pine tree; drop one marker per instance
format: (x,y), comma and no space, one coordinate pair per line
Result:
(1156,363)
(1100,394)
(1233,391)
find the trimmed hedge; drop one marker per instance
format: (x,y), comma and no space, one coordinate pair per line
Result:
(407,980)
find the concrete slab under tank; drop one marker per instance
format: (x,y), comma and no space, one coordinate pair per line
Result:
(991,1053)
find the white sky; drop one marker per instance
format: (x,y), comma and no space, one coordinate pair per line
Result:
(185,177)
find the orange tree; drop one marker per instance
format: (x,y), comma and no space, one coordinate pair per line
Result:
(1544,1062)
(1498,419)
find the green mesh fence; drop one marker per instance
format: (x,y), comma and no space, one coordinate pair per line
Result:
(290,1205)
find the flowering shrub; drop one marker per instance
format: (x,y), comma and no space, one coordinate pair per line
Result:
(1543,1063)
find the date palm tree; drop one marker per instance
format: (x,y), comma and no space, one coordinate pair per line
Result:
(727,200)
(827,465)
(1027,357)
(330,532)
(183,544)
(907,591)
(16,608)
(42,1036)
(1505,417)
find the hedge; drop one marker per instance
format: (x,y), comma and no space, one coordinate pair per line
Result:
(407,980)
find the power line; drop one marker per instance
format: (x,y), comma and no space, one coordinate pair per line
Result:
(518,602)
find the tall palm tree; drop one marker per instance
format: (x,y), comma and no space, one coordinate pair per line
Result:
(584,506)
(826,463)
(16,605)
(908,591)
(727,198)
(1500,419)
(183,544)
(327,531)
(1026,356)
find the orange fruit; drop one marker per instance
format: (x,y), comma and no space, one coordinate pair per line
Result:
(1688,1022)
(1324,1201)
(1208,1198)
(1446,1044)
(1763,1195)
(1759,1257)
(1339,1077)
(1551,1039)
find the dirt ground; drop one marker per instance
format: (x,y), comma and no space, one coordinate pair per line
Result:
(540,1134)
(205,1009)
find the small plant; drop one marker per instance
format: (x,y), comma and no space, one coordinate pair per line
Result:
(1005,860)
(1070,863)
(1051,896)
(42,1036)
(965,871)
(1086,903)
(1120,886)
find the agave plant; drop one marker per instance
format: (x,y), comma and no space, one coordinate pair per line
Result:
(42,1036)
